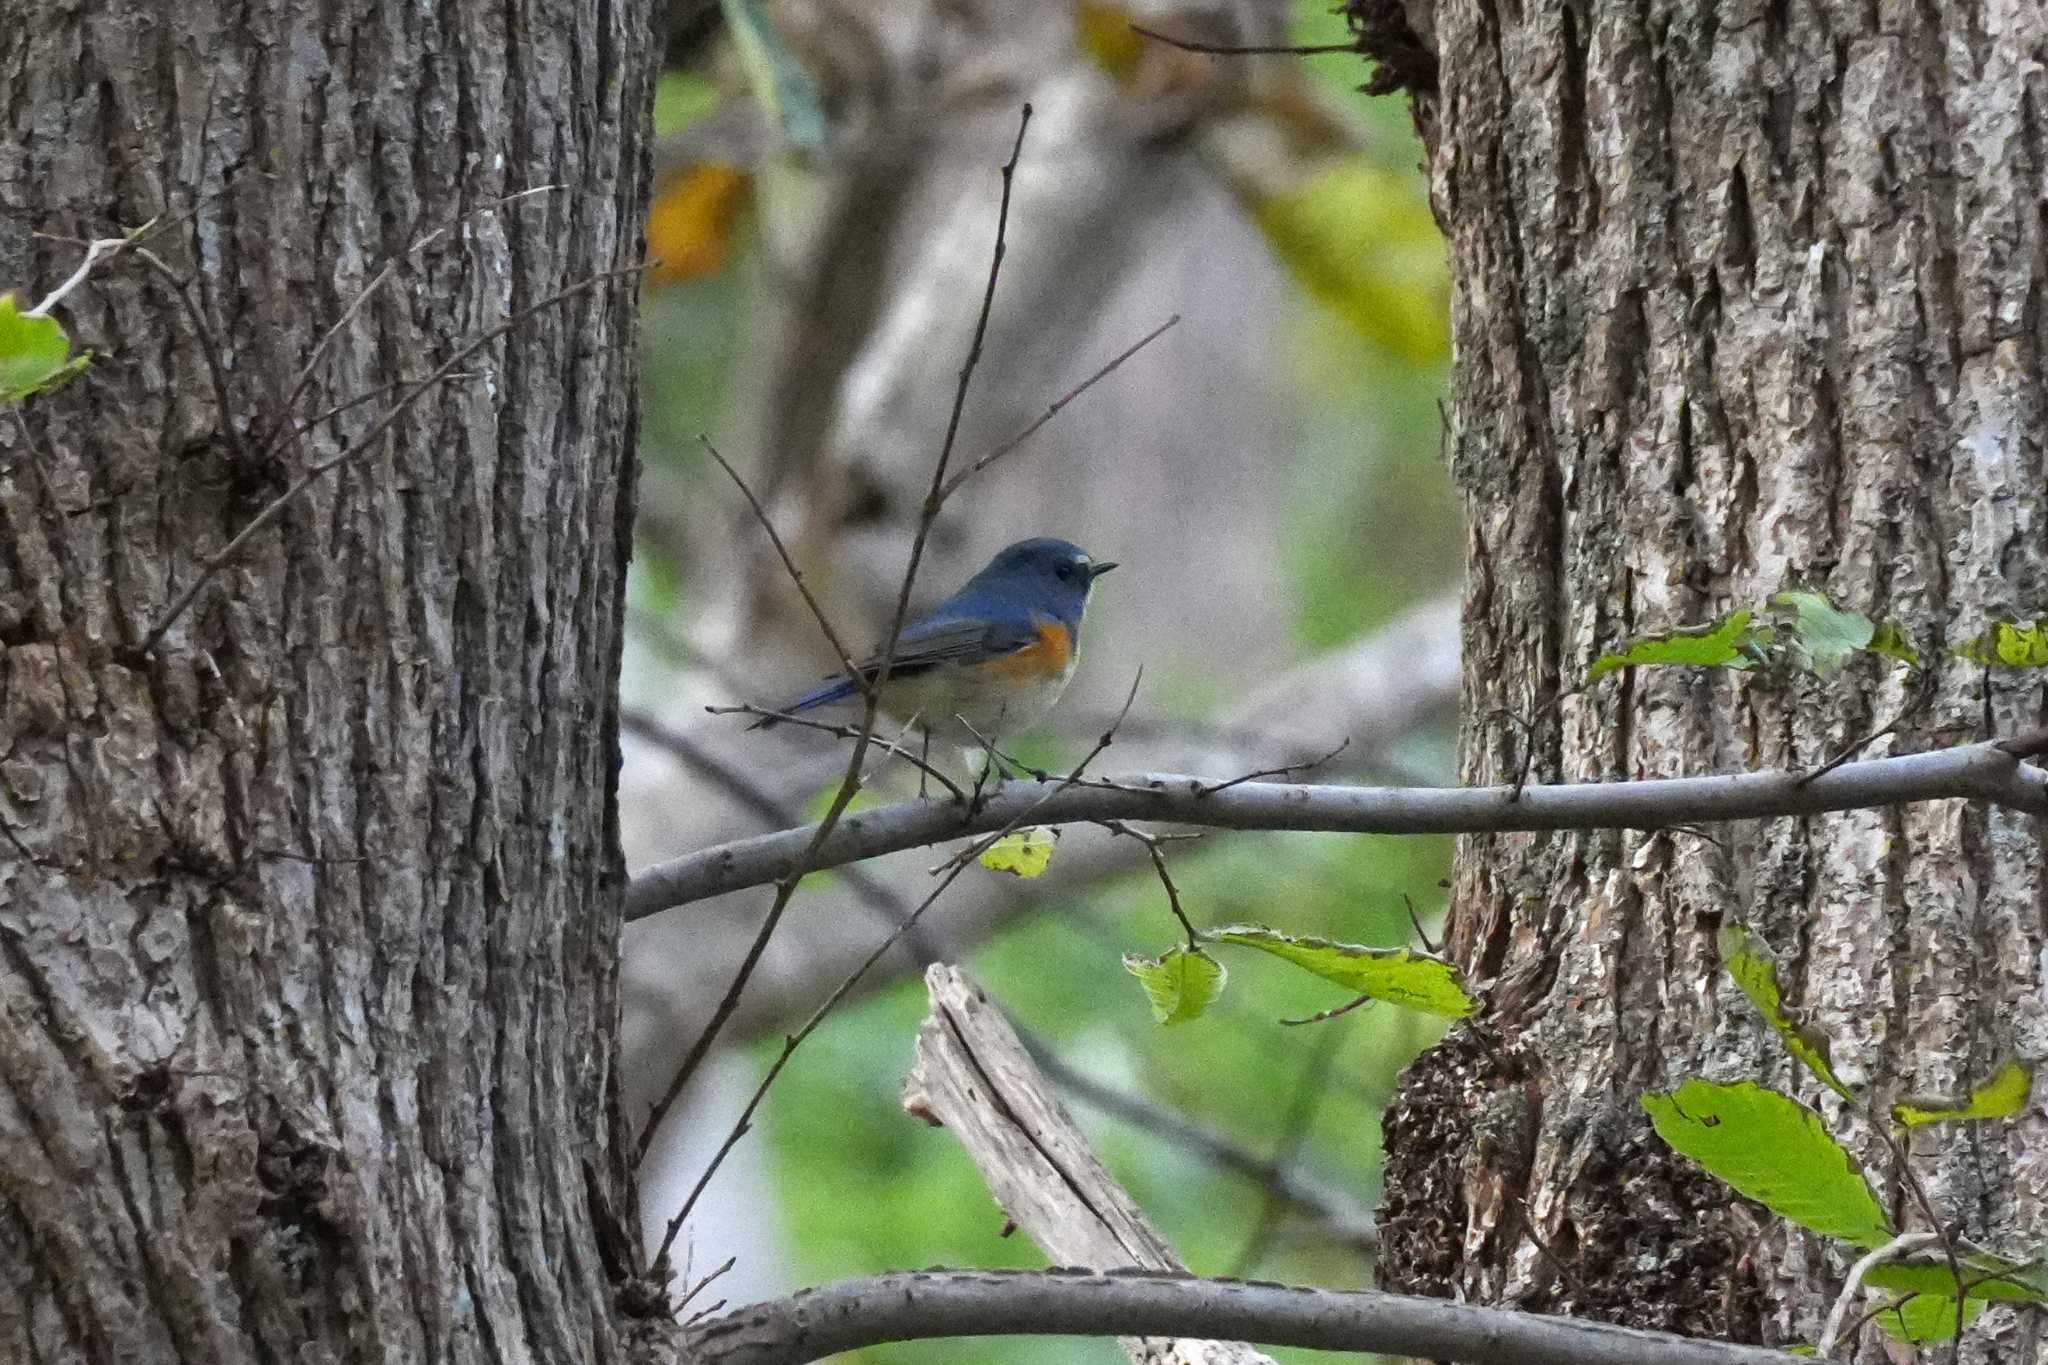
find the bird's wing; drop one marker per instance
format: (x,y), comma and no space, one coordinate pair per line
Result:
(932,642)
(925,645)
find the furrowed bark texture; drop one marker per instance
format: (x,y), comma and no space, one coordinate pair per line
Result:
(308,917)
(1749,296)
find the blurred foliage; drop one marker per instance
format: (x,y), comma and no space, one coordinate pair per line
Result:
(1374,528)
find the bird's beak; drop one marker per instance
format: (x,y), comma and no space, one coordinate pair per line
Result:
(1096,571)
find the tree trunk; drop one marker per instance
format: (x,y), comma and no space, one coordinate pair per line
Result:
(1749,296)
(309,912)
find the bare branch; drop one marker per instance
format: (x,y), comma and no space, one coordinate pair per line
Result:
(972,1077)
(796,576)
(924,1304)
(1052,409)
(94,250)
(844,731)
(1284,770)
(1323,1016)
(209,349)
(1152,843)
(1989,771)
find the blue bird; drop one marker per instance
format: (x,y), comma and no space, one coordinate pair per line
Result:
(991,659)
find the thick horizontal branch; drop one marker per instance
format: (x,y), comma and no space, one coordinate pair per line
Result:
(917,1305)
(1991,771)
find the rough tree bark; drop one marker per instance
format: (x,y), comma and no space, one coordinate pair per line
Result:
(1748,296)
(308,914)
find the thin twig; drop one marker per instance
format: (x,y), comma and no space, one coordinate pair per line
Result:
(95,250)
(1249,50)
(694,1290)
(1940,1225)
(1052,409)
(1151,843)
(844,731)
(1923,692)
(796,576)
(1528,726)
(935,496)
(209,349)
(366,396)
(1416,921)
(215,562)
(382,277)
(1333,1012)
(845,988)
(1284,770)
(742,787)
(1890,1251)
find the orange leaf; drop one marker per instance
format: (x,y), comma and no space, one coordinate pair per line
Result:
(691,223)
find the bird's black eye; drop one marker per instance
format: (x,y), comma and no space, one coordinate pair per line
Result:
(1064,573)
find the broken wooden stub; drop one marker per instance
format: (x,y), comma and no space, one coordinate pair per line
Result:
(974,1077)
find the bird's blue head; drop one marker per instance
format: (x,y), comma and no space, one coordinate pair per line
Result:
(1045,575)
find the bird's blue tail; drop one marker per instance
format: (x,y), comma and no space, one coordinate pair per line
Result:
(823,695)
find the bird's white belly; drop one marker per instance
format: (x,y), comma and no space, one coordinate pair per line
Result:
(964,706)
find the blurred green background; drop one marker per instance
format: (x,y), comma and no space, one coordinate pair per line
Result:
(1373,529)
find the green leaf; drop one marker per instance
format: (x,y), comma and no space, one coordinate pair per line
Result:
(1023,852)
(1728,643)
(1823,635)
(2000,1097)
(35,353)
(680,99)
(1400,976)
(1750,963)
(1988,1277)
(1775,1150)
(2010,645)
(1181,982)
(1927,1317)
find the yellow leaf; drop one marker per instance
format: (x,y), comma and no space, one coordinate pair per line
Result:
(1106,35)
(1025,852)
(1361,240)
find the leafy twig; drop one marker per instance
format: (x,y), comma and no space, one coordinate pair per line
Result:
(1152,844)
